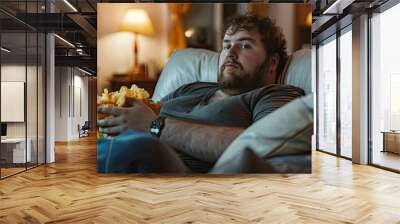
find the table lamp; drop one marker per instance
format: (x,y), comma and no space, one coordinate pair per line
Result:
(138,22)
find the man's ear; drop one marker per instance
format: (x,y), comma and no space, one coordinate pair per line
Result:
(273,62)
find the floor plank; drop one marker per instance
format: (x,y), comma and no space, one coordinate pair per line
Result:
(71,191)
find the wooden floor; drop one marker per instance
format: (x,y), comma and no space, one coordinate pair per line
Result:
(70,191)
(10,171)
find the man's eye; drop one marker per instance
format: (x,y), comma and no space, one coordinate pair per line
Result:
(245,46)
(226,47)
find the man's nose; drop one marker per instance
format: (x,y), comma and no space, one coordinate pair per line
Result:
(233,51)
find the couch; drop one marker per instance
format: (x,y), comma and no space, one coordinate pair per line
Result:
(277,143)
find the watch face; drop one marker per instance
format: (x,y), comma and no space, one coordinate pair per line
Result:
(156,126)
(155,131)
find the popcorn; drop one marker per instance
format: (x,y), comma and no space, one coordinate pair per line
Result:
(118,98)
(136,92)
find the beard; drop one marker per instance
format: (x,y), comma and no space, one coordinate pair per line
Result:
(238,81)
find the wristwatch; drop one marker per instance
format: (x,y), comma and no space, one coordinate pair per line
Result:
(156,126)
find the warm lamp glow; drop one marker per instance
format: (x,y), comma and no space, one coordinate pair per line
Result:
(309,19)
(189,32)
(137,21)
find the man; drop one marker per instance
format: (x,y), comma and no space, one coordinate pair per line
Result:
(201,119)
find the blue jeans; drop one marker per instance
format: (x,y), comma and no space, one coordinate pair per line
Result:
(137,152)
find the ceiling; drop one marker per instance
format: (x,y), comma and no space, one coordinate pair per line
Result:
(330,16)
(22,22)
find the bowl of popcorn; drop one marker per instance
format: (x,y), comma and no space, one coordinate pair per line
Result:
(120,98)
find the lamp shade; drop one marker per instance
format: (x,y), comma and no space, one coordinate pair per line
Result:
(137,21)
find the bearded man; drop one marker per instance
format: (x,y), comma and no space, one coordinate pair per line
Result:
(199,120)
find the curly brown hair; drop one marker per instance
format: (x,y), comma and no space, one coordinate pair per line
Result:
(271,35)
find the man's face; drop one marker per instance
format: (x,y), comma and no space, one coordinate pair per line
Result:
(242,60)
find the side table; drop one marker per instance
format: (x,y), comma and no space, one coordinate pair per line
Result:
(391,141)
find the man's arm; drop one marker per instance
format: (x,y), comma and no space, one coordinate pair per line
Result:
(202,141)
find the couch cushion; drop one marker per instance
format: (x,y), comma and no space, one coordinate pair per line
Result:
(298,70)
(191,65)
(271,137)
(186,66)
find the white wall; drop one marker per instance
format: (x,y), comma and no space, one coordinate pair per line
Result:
(67,114)
(114,48)
(79,117)
(61,103)
(16,73)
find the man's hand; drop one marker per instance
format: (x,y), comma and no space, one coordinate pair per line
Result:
(137,116)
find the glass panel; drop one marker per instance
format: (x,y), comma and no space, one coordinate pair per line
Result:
(23,82)
(31,88)
(327,97)
(41,99)
(346,94)
(31,98)
(385,86)
(13,72)
(314,86)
